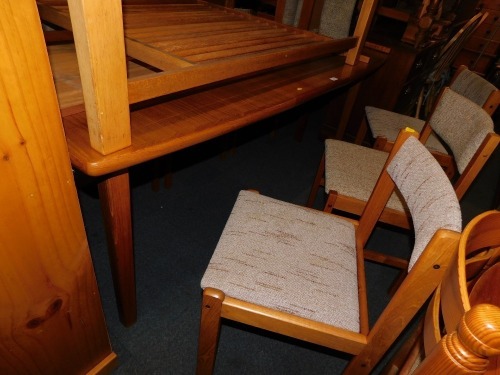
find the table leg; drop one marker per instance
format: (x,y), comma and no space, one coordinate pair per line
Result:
(114,194)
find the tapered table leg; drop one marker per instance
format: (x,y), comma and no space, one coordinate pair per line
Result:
(114,194)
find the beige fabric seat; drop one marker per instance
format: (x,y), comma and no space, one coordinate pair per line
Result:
(300,272)
(348,172)
(287,257)
(353,171)
(387,124)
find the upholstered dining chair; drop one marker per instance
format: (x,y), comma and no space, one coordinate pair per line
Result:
(331,18)
(385,124)
(348,172)
(436,79)
(300,272)
(460,333)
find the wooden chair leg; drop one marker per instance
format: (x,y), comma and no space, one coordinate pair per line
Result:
(209,330)
(408,352)
(169,174)
(301,126)
(157,171)
(352,95)
(317,182)
(114,194)
(162,168)
(330,202)
(228,143)
(450,169)
(381,144)
(361,133)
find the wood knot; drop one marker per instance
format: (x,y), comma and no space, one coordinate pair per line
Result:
(52,309)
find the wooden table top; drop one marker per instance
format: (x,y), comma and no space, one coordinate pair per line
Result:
(197,71)
(184,119)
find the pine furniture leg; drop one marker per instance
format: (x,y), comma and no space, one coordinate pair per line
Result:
(51,317)
(114,194)
(318,181)
(361,132)
(209,330)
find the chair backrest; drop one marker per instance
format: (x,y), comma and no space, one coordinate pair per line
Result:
(437,222)
(476,88)
(417,175)
(425,188)
(467,302)
(462,124)
(331,18)
(334,21)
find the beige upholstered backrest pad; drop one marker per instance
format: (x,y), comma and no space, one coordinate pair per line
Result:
(335,17)
(473,87)
(462,124)
(427,191)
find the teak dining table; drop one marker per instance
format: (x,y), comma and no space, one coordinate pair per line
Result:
(174,102)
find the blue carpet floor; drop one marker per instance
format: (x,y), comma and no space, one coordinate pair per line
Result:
(177,229)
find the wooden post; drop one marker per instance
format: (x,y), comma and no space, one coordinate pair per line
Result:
(100,47)
(466,350)
(361,31)
(51,318)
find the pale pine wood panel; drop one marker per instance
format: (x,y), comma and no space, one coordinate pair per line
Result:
(51,320)
(100,49)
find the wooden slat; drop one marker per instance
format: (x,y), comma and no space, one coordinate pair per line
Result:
(165,33)
(202,74)
(243,45)
(154,56)
(67,79)
(229,39)
(361,31)
(254,47)
(55,15)
(51,318)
